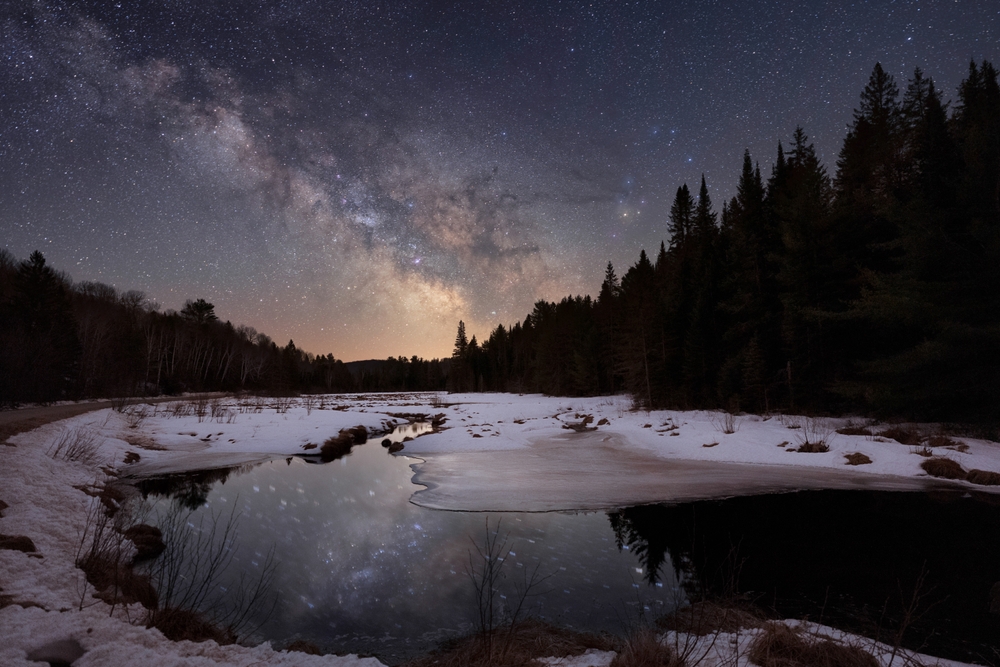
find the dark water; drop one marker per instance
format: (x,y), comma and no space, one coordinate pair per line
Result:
(360,569)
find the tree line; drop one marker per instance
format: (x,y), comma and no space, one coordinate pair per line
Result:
(60,340)
(875,290)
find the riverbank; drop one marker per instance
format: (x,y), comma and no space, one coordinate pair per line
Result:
(50,475)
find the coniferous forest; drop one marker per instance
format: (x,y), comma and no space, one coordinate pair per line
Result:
(875,289)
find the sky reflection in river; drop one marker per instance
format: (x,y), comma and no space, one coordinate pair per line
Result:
(361,569)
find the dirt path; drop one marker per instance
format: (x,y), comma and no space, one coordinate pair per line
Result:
(593,471)
(13,422)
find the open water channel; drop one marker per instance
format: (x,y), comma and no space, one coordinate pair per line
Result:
(360,569)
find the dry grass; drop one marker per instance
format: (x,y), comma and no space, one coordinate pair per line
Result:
(814,436)
(337,447)
(813,448)
(17,543)
(116,582)
(76,445)
(941,467)
(303,646)
(782,646)
(941,441)
(902,435)
(643,648)
(856,429)
(531,639)
(857,459)
(984,477)
(707,617)
(182,624)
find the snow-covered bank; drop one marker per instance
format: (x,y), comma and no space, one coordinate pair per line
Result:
(521,443)
(507,452)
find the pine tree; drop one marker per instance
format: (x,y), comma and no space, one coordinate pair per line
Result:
(681,210)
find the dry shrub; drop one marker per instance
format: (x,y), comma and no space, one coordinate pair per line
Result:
(941,441)
(782,646)
(984,477)
(857,459)
(183,624)
(813,447)
(531,639)
(337,447)
(76,445)
(854,429)
(902,435)
(17,543)
(942,467)
(643,648)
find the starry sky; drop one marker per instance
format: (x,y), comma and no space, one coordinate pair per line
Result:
(359,176)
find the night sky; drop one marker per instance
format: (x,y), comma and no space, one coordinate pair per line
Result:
(360,176)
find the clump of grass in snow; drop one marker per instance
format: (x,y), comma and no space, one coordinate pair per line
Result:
(782,646)
(643,648)
(902,435)
(531,639)
(814,436)
(857,459)
(941,467)
(984,477)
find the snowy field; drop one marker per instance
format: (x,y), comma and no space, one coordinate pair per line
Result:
(494,451)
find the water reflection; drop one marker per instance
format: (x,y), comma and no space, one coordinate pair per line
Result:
(848,558)
(361,569)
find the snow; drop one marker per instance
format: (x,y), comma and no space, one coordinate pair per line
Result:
(524,458)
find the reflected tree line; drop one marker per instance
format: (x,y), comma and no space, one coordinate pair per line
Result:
(876,289)
(854,560)
(60,340)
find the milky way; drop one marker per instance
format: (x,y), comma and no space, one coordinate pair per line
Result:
(360,176)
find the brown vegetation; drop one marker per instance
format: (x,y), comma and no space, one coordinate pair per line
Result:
(853,429)
(337,447)
(116,582)
(941,441)
(148,541)
(857,459)
(643,648)
(902,435)
(942,467)
(709,617)
(984,477)
(302,646)
(782,646)
(17,543)
(530,639)
(813,447)
(184,624)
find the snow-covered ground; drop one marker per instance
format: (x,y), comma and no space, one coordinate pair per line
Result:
(496,451)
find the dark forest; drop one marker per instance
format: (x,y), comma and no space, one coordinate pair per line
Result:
(875,290)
